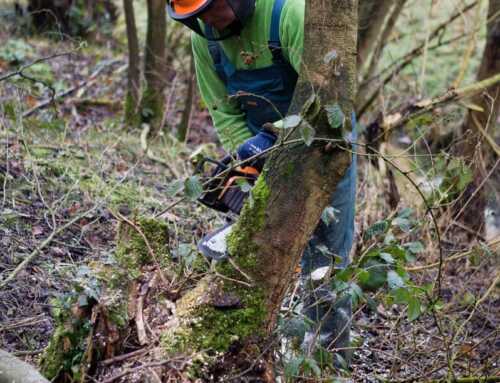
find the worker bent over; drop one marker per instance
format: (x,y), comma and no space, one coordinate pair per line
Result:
(247,55)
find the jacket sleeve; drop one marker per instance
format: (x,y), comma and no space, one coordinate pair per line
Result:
(292,32)
(229,121)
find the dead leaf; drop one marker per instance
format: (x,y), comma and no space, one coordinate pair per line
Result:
(31,101)
(37,230)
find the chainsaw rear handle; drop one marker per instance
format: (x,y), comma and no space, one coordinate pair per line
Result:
(221,165)
(223,192)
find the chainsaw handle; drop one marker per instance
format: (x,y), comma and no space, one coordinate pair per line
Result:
(221,165)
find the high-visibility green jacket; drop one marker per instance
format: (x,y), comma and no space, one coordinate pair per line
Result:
(249,50)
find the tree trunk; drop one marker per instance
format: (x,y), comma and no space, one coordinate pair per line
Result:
(372,15)
(183,129)
(278,220)
(132,116)
(154,65)
(475,147)
(378,47)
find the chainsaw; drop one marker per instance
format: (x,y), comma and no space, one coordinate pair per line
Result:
(225,190)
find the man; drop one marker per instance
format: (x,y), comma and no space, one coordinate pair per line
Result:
(247,55)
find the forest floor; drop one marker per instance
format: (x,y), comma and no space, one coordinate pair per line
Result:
(69,170)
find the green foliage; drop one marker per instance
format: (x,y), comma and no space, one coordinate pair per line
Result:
(42,72)
(307,132)
(453,175)
(382,265)
(69,339)
(15,51)
(193,188)
(301,366)
(291,121)
(336,117)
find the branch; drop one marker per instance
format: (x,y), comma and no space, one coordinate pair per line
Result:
(493,245)
(71,90)
(398,119)
(407,59)
(44,244)
(20,71)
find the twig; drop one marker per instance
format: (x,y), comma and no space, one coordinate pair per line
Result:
(485,134)
(492,286)
(409,58)
(149,153)
(479,187)
(123,357)
(139,316)
(71,90)
(19,72)
(492,245)
(44,244)
(471,46)
(131,370)
(399,118)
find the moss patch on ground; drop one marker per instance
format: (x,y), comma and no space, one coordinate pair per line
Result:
(132,252)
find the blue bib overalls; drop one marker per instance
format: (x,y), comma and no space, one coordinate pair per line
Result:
(264,95)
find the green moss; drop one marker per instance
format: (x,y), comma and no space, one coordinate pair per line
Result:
(120,194)
(132,252)
(151,106)
(216,329)
(52,358)
(252,218)
(132,117)
(290,167)
(206,327)
(68,342)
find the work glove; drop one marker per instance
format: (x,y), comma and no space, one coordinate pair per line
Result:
(255,145)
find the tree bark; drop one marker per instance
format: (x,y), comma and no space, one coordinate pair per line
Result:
(480,124)
(154,65)
(278,220)
(380,43)
(183,128)
(132,116)
(372,16)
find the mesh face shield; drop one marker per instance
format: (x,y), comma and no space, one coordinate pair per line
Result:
(242,9)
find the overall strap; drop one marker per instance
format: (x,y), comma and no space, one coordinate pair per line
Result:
(223,66)
(274,42)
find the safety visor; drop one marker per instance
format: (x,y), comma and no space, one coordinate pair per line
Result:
(184,9)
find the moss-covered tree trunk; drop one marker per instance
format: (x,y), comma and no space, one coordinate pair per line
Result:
(154,65)
(132,116)
(286,204)
(478,126)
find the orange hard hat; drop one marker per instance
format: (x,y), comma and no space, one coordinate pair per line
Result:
(182,9)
